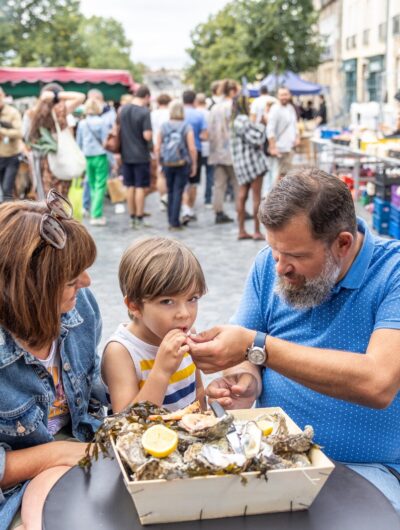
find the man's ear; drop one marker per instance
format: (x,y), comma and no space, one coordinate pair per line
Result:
(343,243)
(134,309)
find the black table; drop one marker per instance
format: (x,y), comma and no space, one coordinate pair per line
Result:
(101,501)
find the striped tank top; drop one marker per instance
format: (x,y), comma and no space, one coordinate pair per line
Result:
(181,390)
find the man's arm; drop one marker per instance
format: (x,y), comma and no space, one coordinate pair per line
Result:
(147,130)
(371,379)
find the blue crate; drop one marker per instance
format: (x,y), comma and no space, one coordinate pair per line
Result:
(384,192)
(382,209)
(382,227)
(394,229)
(394,214)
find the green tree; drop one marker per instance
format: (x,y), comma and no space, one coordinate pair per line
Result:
(55,33)
(106,45)
(41,33)
(250,37)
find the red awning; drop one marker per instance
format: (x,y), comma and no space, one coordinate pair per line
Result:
(66,75)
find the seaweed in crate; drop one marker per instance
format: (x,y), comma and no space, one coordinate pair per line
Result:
(112,425)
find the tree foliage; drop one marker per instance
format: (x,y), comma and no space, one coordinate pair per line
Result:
(255,37)
(55,33)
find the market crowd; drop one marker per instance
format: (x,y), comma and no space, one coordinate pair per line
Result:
(166,145)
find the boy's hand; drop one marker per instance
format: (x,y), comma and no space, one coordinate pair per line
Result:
(171,351)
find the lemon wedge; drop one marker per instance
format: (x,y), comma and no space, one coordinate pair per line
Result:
(267,427)
(159,441)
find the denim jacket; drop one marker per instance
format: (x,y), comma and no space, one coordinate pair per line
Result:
(27,390)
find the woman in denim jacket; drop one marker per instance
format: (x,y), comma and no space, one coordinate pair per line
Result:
(49,331)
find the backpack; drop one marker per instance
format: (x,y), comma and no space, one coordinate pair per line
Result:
(173,145)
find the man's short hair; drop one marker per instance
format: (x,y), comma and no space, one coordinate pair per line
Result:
(164,99)
(142,92)
(188,97)
(324,198)
(263,90)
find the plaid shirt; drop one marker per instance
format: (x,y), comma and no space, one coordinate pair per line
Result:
(247,140)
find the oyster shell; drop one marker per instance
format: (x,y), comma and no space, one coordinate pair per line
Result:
(205,426)
(251,439)
(167,468)
(130,448)
(292,443)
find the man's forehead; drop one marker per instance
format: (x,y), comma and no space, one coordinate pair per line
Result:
(294,236)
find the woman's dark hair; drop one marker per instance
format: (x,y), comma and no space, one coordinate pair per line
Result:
(229,85)
(240,105)
(324,198)
(41,115)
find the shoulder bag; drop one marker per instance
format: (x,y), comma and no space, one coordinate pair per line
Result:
(68,162)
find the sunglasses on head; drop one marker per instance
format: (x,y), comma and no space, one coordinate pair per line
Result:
(51,229)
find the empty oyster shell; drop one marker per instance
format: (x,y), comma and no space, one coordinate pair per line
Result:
(251,439)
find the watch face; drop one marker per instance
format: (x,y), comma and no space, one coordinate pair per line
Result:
(257,355)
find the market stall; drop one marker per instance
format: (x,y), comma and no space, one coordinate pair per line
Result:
(25,82)
(371,169)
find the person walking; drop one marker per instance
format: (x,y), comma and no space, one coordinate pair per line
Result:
(201,105)
(10,147)
(220,153)
(250,164)
(91,134)
(197,120)
(53,101)
(159,116)
(136,133)
(258,105)
(282,131)
(176,152)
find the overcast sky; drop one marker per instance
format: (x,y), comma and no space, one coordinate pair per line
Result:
(159,29)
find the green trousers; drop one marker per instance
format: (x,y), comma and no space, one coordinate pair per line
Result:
(97,173)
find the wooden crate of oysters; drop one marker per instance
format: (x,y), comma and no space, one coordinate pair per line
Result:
(245,462)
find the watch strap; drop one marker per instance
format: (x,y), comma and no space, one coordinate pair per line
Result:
(259,340)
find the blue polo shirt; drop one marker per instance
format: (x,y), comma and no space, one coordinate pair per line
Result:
(366,299)
(197,120)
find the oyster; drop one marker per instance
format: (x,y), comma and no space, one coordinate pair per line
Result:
(251,439)
(205,426)
(167,468)
(130,448)
(292,443)
(277,420)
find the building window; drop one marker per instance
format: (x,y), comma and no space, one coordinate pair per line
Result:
(351,42)
(382,32)
(366,37)
(396,25)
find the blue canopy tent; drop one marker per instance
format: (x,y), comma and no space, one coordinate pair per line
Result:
(292,81)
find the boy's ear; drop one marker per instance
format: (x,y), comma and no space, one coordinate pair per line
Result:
(134,309)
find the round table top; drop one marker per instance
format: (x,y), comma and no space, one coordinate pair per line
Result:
(99,499)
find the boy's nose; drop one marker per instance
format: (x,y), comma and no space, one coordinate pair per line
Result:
(183,312)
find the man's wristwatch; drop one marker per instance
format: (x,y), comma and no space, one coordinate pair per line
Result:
(257,353)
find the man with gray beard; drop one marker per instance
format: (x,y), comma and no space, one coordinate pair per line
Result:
(318,328)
